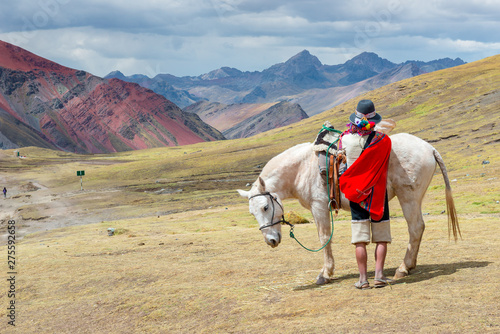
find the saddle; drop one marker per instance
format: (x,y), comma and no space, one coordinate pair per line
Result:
(330,160)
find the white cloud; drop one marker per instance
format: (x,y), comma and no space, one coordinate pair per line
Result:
(191,37)
(465,46)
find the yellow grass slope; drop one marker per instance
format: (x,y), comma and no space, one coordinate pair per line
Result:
(187,256)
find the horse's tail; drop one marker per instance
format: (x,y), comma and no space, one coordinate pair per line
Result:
(450,204)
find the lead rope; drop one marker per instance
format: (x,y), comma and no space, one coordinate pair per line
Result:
(329,202)
(312,250)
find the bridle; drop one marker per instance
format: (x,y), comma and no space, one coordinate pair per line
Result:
(273,199)
(282,220)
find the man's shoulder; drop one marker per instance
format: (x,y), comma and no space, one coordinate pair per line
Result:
(381,135)
(380,138)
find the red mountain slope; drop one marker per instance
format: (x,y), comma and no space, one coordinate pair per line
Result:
(76,111)
(18,59)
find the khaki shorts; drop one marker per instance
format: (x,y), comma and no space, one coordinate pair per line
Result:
(380,232)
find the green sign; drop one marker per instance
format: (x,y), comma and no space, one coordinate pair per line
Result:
(80,173)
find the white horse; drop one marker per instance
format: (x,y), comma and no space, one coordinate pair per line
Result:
(295,174)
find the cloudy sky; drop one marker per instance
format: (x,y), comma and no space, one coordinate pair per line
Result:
(192,37)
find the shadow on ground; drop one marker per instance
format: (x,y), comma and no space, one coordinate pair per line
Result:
(419,274)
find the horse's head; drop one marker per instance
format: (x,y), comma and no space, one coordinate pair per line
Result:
(267,209)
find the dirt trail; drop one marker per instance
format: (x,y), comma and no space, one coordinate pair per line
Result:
(53,210)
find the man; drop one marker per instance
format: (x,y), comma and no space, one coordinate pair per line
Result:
(364,184)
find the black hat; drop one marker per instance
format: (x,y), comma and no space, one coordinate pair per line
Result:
(366,108)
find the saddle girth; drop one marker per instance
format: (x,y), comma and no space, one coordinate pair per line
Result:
(333,180)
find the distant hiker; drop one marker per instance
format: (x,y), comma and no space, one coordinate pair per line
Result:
(4,192)
(364,184)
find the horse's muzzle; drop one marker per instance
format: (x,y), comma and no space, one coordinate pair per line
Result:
(273,240)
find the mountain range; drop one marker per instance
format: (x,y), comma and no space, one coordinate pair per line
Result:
(48,105)
(302,79)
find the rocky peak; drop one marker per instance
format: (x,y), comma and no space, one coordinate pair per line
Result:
(115,74)
(303,60)
(222,72)
(302,70)
(370,61)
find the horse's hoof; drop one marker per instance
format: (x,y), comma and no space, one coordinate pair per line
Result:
(322,281)
(400,274)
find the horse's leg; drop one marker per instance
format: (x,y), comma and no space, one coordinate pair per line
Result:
(412,210)
(322,218)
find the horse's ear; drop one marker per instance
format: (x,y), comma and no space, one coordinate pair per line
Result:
(243,193)
(261,186)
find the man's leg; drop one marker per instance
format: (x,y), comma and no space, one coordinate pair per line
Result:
(381,235)
(380,254)
(360,226)
(361,258)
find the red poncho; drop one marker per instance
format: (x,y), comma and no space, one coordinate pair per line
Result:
(365,181)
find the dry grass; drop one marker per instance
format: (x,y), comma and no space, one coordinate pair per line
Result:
(208,271)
